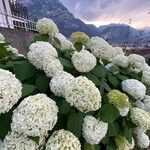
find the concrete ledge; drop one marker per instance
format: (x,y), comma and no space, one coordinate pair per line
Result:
(18,38)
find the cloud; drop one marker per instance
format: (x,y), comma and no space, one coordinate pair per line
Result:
(105,11)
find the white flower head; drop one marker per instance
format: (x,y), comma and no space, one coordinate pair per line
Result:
(15,141)
(79,37)
(35,116)
(141,118)
(94,130)
(123,111)
(146,102)
(84,95)
(146,77)
(143,140)
(1,145)
(136,61)
(10,90)
(52,66)
(60,82)
(121,61)
(39,51)
(118,51)
(134,87)
(83,61)
(123,144)
(100,48)
(2,38)
(63,140)
(66,45)
(47,26)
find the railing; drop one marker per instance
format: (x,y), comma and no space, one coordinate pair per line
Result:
(11,21)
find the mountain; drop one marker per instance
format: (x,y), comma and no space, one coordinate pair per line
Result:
(55,10)
(67,23)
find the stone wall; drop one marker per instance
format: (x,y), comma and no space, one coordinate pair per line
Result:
(19,39)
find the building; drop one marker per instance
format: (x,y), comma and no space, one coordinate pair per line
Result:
(15,15)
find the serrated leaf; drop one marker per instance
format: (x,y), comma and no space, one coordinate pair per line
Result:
(66,63)
(41,37)
(104,85)
(109,113)
(24,70)
(121,77)
(113,80)
(28,89)
(42,83)
(99,71)
(64,107)
(93,78)
(5,124)
(128,134)
(88,146)
(113,129)
(78,46)
(74,124)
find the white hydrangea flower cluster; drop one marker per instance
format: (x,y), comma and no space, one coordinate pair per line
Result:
(134,88)
(63,140)
(141,118)
(47,26)
(14,51)
(121,61)
(1,145)
(100,48)
(60,82)
(94,130)
(84,61)
(120,100)
(15,141)
(44,57)
(143,140)
(2,38)
(146,78)
(35,116)
(136,61)
(79,37)
(123,144)
(84,95)
(144,104)
(65,44)
(10,90)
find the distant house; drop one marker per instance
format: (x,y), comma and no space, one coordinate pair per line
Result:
(15,15)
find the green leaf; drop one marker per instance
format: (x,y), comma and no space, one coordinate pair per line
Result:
(42,83)
(64,107)
(99,71)
(56,43)
(74,124)
(104,85)
(28,89)
(78,46)
(88,146)
(128,134)
(4,52)
(113,129)
(93,78)
(41,37)
(121,77)
(36,139)
(5,124)
(109,113)
(24,70)
(113,80)
(66,63)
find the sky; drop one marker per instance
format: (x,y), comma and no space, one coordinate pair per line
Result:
(102,12)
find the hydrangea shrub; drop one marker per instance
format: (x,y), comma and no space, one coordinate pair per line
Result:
(76,93)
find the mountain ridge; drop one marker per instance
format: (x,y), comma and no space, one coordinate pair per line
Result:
(67,23)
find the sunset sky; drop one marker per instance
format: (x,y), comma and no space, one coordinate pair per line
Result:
(101,12)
